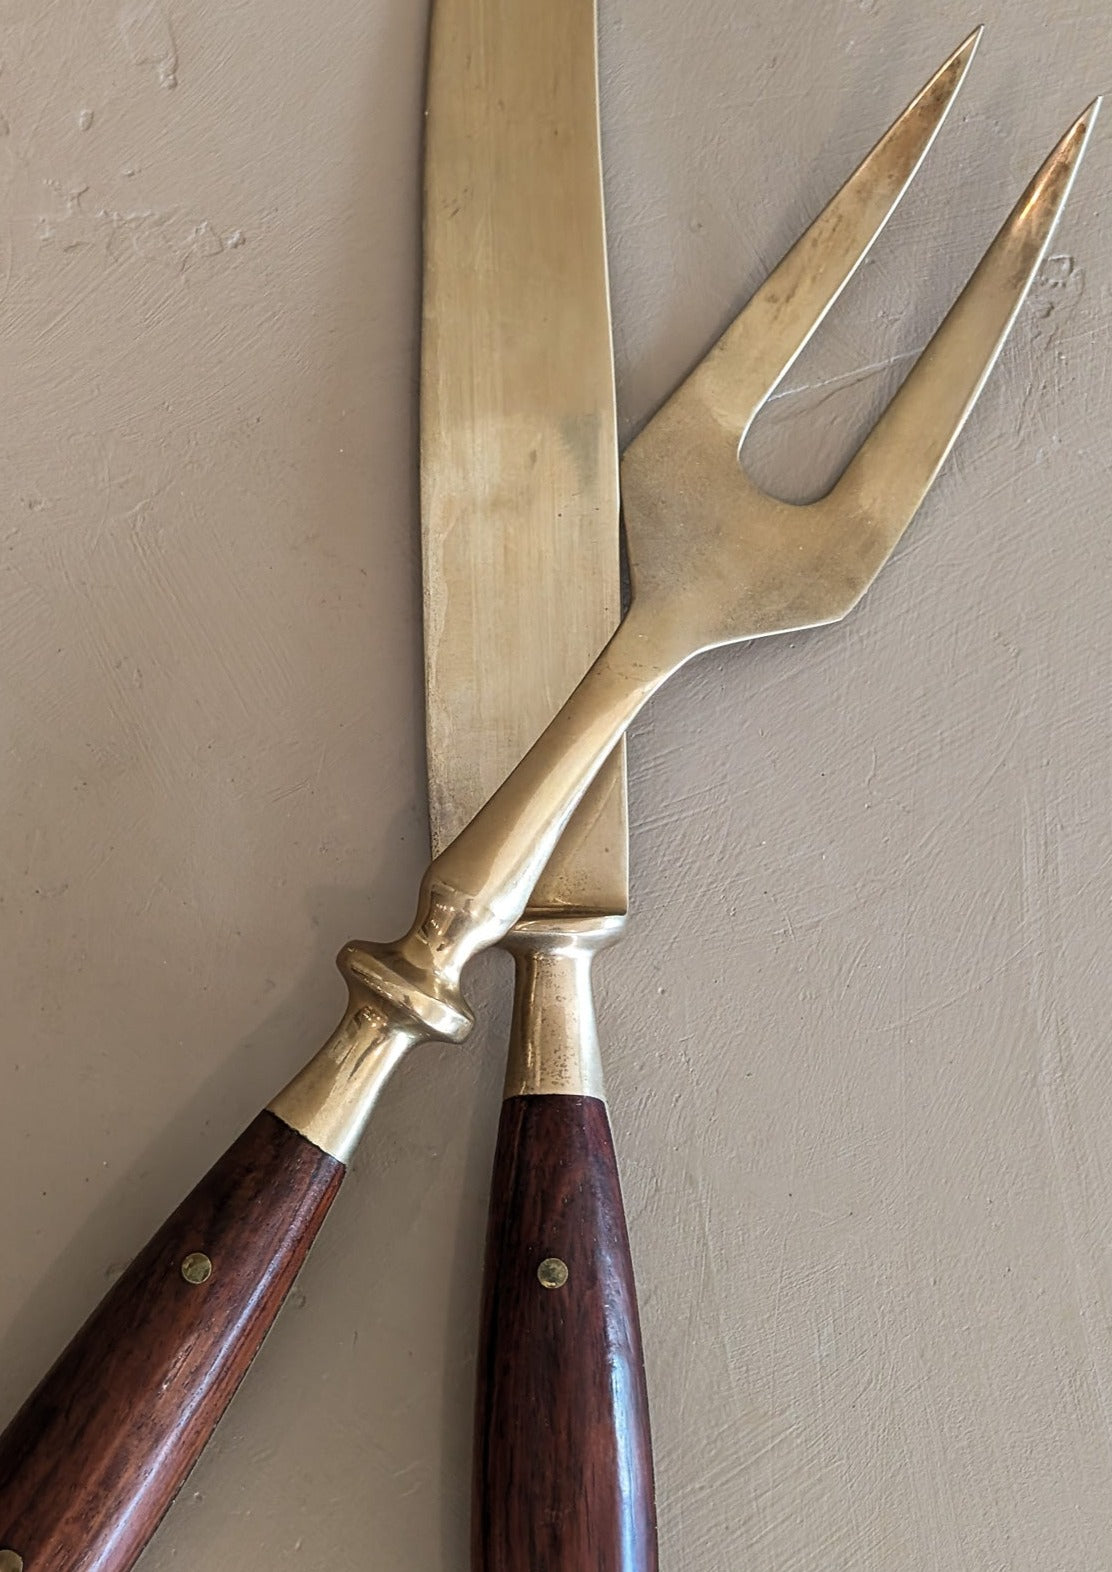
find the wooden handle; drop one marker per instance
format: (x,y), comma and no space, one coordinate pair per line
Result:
(94,1458)
(563,1463)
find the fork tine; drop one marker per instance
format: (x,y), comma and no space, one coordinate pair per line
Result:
(762,343)
(891,472)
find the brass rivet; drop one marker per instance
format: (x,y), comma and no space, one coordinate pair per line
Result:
(552,1273)
(196,1268)
(10,1562)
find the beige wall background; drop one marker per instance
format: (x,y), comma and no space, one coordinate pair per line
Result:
(857,1039)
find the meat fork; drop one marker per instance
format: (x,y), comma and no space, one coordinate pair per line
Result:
(713,561)
(93,1459)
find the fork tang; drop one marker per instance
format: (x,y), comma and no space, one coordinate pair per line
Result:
(891,472)
(763,342)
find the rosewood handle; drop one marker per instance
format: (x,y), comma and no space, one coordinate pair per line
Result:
(563,1463)
(96,1455)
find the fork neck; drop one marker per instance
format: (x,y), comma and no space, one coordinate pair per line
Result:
(479,886)
(488,872)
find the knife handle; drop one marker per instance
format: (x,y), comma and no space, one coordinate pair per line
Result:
(563,1475)
(96,1455)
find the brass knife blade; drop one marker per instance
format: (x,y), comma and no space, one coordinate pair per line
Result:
(519,454)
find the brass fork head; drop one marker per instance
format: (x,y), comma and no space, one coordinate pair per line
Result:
(714,559)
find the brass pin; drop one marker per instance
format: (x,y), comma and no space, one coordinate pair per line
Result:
(552,1273)
(196,1269)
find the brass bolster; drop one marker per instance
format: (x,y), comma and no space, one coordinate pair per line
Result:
(394,1002)
(554,1036)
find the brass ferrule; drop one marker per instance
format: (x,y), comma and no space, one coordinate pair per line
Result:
(554,1047)
(330,1101)
(398,995)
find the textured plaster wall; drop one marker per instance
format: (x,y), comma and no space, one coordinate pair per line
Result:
(858,1034)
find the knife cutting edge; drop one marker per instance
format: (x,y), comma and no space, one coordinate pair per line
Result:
(520,534)
(91,1462)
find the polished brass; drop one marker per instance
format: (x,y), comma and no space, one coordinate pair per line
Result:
(10,1562)
(714,561)
(196,1269)
(554,1037)
(553,1273)
(519,469)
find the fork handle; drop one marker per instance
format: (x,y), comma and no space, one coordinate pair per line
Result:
(563,1475)
(96,1455)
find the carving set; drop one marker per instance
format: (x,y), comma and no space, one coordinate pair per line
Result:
(533,674)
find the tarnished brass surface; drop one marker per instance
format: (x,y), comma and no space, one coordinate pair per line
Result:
(553,1273)
(196,1268)
(714,561)
(519,467)
(519,450)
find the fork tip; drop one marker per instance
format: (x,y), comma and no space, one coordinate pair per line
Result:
(968,48)
(951,73)
(1074,142)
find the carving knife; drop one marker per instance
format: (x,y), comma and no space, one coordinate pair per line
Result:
(520,521)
